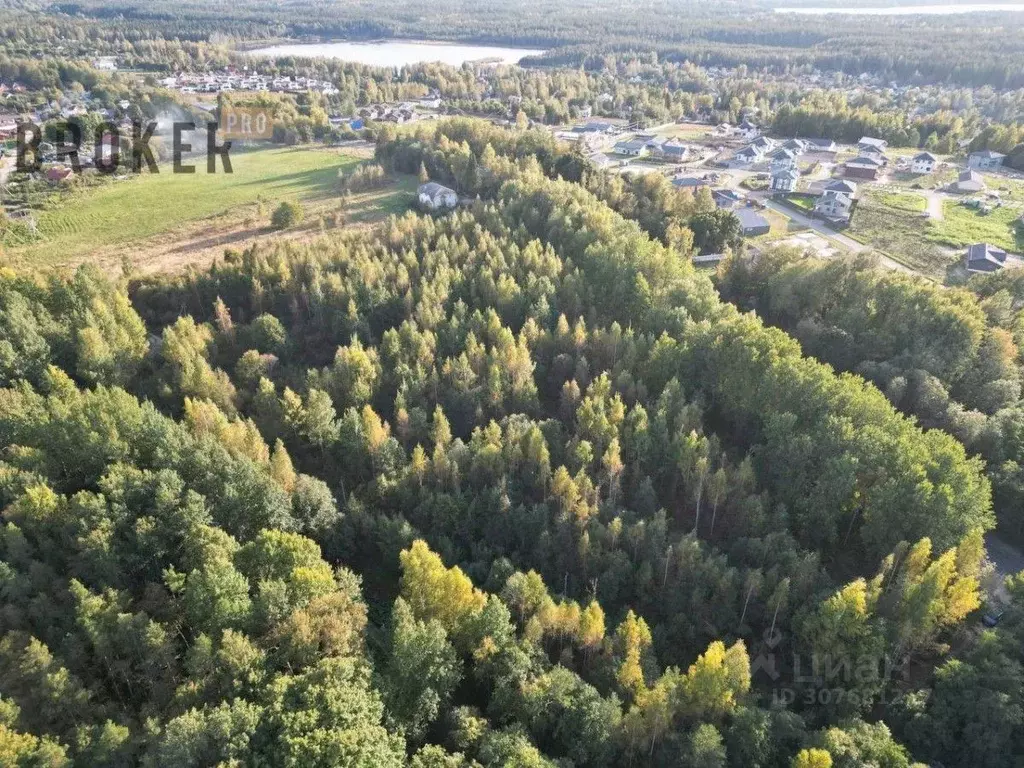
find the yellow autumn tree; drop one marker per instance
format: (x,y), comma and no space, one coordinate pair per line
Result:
(715,681)
(436,592)
(812,758)
(632,636)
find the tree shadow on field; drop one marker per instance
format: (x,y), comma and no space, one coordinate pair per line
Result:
(317,181)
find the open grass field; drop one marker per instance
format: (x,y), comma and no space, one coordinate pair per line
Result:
(901,201)
(900,233)
(960,226)
(136,211)
(685,131)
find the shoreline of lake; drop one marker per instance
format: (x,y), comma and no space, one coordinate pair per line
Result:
(396,52)
(906,10)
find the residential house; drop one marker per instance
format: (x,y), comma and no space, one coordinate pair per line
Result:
(796,146)
(752,223)
(603,162)
(968,182)
(870,145)
(654,143)
(785,180)
(594,126)
(924,162)
(690,182)
(842,185)
(745,157)
(782,159)
(864,167)
(836,202)
(985,160)
(726,198)
(820,145)
(748,130)
(436,197)
(763,145)
(635,147)
(982,257)
(584,112)
(673,151)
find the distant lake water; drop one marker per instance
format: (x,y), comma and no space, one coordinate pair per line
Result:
(398,53)
(909,10)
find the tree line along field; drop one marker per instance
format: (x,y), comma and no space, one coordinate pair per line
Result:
(128,211)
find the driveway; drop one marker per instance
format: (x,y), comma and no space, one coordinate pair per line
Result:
(935,200)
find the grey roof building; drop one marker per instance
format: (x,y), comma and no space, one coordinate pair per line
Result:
(752,223)
(983,257)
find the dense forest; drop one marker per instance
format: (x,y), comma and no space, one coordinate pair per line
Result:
(973,49)
(511,486)
(949,357)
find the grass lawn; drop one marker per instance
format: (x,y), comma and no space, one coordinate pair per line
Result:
(801,201)
(936,180)
(122,212)
(901,201)
(686,131)
(900,233)
(961,226)
(1008,189)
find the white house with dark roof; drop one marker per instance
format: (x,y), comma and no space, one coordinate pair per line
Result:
(748,130)
(785,180)
(836,202)
(983,257)
(796,146)
(842,185)
(763,145)
(869,144)
(820,145)
(782,159)
(985,160)
(635,147)
(744,157)
(726,198)
(924,162)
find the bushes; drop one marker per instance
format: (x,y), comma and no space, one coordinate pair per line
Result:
(363,178)
(286,216)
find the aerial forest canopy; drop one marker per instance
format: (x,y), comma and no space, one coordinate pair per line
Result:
(511,486)
(965,49)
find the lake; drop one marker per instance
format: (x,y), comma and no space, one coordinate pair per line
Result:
(398,53)
(910,10)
